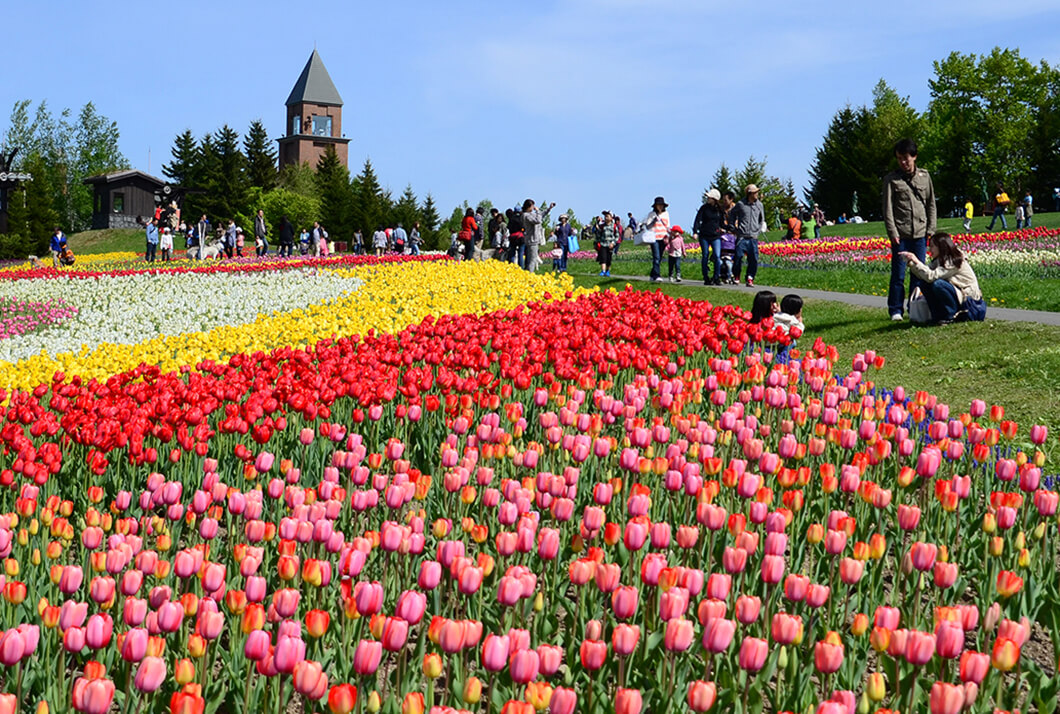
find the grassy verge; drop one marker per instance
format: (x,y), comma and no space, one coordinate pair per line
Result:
(1022,289)
(1011,364)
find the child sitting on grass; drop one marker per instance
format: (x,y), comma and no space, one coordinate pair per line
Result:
(675,250)
(790,315)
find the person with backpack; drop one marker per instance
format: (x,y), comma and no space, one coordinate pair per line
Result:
(516,240)
(1001,201)
(56,245)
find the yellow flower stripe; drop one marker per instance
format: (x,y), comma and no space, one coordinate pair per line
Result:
(93,261)
(393,297)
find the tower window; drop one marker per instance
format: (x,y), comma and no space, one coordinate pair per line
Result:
(296,125)
(321,126)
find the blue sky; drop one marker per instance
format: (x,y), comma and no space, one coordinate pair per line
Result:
(594,104)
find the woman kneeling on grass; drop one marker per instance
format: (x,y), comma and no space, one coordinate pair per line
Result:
(948,282)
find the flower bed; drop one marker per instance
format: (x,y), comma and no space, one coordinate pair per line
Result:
(1001,254)
(21,318)
(610,502)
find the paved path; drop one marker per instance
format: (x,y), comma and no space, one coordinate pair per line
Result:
(877,301)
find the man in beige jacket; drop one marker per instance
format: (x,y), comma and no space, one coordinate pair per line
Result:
(909,214)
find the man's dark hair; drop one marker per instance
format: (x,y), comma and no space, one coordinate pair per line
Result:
(791,304)
(731,196)
(905,146)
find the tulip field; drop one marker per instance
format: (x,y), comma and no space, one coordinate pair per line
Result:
(417,485)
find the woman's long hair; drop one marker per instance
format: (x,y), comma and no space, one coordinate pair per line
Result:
(947,251)
(762,307)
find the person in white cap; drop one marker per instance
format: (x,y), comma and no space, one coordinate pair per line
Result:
(707,229)
(748,216)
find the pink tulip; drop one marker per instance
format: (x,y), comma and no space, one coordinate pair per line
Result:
(12,647)
(678,635)
(718,634)
(495,650)
(563,701)
(624,601)
(150,674)
(747,608)
(257,645)
(289,652)
(753,652)
(919,647)
(524,666)
(310,680)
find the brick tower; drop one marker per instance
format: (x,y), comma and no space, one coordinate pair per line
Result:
(314,118)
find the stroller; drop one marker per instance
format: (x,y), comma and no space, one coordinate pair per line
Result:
(66,256)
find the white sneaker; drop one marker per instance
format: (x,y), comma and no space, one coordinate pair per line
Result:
(896,317)
(673,279)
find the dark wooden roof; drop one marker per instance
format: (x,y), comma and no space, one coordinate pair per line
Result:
(124,176)
(314,85)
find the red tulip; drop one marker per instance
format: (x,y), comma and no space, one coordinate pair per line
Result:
(624,639)
(310,680)
(628,701)
(949,639)
(946,698)
(342,698)
(701,695)
(828,655)
(593,654)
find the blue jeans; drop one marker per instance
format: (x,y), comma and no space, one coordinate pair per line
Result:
(563,258)
(715,257)
(656,260)
(748,246)
(999,211)
(517,254)
(896,291)
(942,299)
(150,253)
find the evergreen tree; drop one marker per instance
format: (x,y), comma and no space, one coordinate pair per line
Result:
(406,210)
(223,177)
(336,196)
(723,181)
(261,157)
(429,223)
(843,165)
(298,178)
(33,216)
(186,159)
(369,203)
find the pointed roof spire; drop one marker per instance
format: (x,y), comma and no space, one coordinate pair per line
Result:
(314,85)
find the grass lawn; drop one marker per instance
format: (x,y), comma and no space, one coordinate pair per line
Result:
(108,240)
(1031,293)
(1007,363)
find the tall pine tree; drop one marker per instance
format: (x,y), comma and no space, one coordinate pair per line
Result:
(406,211)
(223,178)
(261,157)
(336,196)
(186,159)
(429,223)
(369,202)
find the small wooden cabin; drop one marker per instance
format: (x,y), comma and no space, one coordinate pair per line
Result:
(122,196)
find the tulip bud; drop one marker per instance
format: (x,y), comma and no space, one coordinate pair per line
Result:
(374,702)
(472,690)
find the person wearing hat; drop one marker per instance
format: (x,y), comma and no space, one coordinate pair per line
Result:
(165,243)
(655,228)
(707,229)
(563,235)
(747,216)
